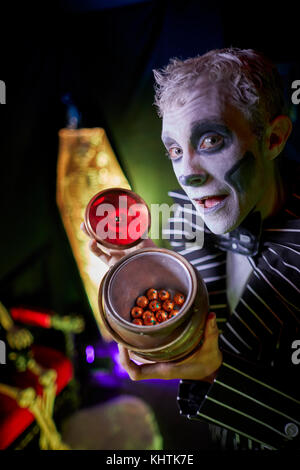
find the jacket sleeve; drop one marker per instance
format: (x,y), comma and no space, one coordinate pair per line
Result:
(249,400)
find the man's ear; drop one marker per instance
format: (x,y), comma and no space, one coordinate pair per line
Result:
(277,134)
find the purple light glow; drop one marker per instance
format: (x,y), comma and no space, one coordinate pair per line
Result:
(105,379)
(118,373)
(118,369)
(90,354)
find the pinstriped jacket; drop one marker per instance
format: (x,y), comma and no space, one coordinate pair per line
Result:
(254,401)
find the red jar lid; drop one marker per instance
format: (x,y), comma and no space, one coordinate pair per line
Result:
(117,218)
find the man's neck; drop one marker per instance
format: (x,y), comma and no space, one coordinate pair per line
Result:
(274,196)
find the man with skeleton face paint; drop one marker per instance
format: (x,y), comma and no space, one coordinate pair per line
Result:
(224,127)
(220,145)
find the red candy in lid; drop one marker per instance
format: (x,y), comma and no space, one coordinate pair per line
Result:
(117,218)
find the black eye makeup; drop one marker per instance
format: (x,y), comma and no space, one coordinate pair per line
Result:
(174,150)
(209,136)
(206,137)
(211,141)
(174,153)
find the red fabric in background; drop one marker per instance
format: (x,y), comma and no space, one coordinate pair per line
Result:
(13,419)
(31,317)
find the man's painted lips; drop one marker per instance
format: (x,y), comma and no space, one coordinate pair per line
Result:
(211,203)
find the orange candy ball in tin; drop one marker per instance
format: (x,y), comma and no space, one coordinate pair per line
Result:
(173,313)
(163,295)
(168,305)
(142,301)
(179,298)
(154,305)
(137,312)
(161,316)
(149,318)
(152,294)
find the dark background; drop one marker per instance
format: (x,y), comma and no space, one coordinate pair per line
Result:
(103,53)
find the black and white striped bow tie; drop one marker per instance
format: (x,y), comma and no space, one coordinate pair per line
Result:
(245,239)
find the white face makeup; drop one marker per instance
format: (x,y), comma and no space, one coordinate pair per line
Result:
(216,156)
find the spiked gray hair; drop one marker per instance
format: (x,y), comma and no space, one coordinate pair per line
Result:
(255,84)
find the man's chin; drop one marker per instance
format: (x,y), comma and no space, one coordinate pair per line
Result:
(221,227)
(219,223)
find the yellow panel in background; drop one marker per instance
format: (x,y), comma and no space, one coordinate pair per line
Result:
(86,165)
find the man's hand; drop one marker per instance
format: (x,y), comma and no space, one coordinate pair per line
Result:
(110,256)
(201,365)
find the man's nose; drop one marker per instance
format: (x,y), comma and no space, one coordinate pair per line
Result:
(196,179)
